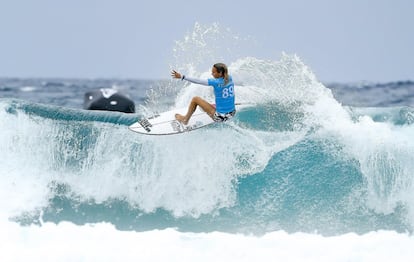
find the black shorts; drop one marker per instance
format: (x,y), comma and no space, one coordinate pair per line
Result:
(219,117)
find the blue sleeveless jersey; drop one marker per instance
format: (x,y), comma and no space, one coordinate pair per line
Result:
(224,94)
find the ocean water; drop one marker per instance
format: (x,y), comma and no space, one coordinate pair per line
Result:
(310,172)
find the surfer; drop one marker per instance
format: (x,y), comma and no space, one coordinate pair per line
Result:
(223,85)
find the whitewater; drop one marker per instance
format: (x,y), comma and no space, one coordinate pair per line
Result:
(297,176)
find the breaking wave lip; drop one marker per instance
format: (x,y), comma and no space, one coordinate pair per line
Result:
(399,116)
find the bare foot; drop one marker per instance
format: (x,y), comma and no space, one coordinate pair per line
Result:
(181,119)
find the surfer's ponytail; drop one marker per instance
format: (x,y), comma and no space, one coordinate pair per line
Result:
(222,68)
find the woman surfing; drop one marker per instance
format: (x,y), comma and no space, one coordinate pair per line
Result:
(223,85)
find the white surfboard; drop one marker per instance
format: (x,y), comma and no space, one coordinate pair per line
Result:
(166,124)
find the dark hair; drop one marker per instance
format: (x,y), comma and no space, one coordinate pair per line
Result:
(222,68)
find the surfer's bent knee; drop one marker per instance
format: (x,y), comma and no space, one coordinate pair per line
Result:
(196,99)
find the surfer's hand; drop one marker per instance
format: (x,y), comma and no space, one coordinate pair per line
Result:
(175,74)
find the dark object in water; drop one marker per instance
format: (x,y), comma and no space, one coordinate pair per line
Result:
(109,100)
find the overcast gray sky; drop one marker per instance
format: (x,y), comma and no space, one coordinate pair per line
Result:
(344,41)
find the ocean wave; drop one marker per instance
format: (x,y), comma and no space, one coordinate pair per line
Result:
(296,160)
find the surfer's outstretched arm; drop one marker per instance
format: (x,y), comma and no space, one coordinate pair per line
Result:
(195,80)
(175,74)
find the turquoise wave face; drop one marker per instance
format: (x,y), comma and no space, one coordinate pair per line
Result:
(14,106)
(271,168)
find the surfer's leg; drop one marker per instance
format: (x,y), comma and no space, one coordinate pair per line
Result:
(196,101)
